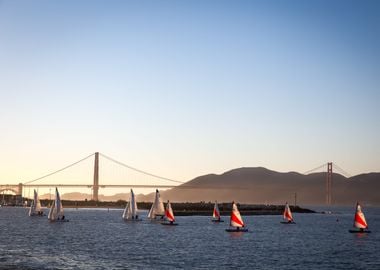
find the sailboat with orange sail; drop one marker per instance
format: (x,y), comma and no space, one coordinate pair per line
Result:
(360,222)
(288,217)
(236,222)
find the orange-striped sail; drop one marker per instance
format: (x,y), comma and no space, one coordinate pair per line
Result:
(169,215)
(216,212)
(359,220)
(287,213)
(236,220)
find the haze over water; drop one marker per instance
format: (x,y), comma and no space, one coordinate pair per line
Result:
(100,239)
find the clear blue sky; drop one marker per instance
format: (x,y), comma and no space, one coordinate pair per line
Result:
(184,88)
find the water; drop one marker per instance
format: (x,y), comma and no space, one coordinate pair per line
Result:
(99,239)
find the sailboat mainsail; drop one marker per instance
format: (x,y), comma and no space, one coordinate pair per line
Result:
(216,213)
(157,209)
(169,215)
(35,207)
(236,222)
(56,210)
(131,211)
(359,220)
(288,217)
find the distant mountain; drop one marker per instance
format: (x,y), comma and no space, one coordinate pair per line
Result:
(262,186)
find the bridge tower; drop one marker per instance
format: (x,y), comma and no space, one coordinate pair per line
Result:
(19,189)
(95,191)
(328,183)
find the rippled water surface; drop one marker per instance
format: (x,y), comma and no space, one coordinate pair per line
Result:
(99,239)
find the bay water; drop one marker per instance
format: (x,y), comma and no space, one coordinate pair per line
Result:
(100,239)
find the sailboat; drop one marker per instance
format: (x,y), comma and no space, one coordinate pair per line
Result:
(359,221)
(236,222)
(216,214)
(169,215)
(35,208)
(56,213)
(157,210)
(288,217)
(131,212)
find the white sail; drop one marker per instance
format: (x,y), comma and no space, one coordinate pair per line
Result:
(157,208)
(35,207)
(52,212)
(131,211)
(236,220)
(56,210)
(287,213)
(127,211)
(169,215)
(216,212)
(359,221)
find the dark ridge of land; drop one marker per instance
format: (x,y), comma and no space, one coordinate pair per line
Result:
(190,209)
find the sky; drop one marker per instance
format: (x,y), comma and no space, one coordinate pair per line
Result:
(186,88)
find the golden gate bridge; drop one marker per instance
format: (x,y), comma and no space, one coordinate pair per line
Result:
(96,185)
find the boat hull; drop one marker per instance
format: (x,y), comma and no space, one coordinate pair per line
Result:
(65,220)
(285,222)
(169,224)
(358,231)
(132,220)
(217,220)
(237,230)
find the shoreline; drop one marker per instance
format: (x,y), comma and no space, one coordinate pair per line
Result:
(194,209)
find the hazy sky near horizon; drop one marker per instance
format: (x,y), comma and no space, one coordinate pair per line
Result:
(185,88)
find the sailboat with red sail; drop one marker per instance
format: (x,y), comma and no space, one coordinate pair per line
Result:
(236,222)
(216,214)
(169,215)
(288,217)
(359,221)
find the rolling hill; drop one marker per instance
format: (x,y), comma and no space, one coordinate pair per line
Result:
(262,186)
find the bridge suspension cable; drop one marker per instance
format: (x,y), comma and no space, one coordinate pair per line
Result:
(140,171)
(315,169)
(343,172)
(57,171)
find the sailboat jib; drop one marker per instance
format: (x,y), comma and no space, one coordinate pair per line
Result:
(169,215)
(157,210)
(35,207)
(216,213)
(131,212)
(360,221)
(56,212)
(236,221)
(287,215)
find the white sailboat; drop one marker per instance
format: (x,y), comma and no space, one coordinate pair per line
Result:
(169,215)
(216,214)
(35,208)
(157,210)
(56,210)
(359,221)
(131,212)
(287,215)
(236,222)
